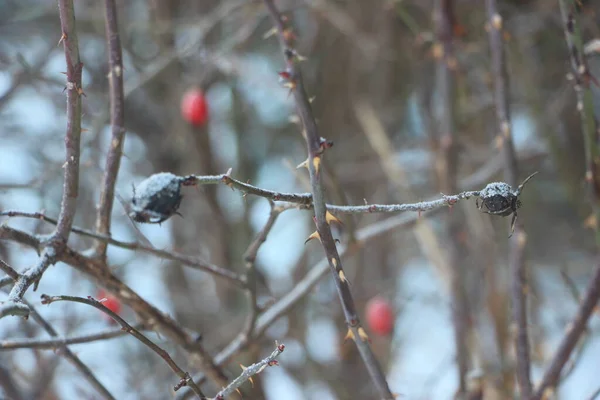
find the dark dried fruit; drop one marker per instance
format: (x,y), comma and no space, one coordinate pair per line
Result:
(498,198)
(157,198)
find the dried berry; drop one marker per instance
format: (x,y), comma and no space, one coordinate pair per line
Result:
(157,198)
(500,199)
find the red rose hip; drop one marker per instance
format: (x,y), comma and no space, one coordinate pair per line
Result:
(194,107)
(109,301)
(380,316)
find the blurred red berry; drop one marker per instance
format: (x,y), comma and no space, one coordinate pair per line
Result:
(109,301)
(194,107)
(380,316)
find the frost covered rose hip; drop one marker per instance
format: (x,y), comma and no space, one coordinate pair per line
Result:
(498,198)
(157,198)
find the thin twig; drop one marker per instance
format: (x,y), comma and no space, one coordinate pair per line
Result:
(117,121)
(58,241)
(185,377)
(316,147)
(58,342)
(250,371)
(572,336)
(8,270)
(503,139)
(250,259)
(150,315)
(194,262)
(72,357)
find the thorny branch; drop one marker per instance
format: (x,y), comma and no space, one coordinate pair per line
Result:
(185,377)
(117,121)
(316,146)
(55,245)
(318,272)
(250,371)
(517,243)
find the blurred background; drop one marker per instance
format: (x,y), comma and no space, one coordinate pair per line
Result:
(372,68)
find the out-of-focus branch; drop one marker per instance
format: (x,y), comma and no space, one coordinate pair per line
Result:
(582,78)
(316,147)
(148,314)
(250,260)
(194,262)
(250,371)
(72,357)
(8,270)
(574,331)
(503,139)
(58,342)
(447,175)
(185,376)
(58,241)
(117,121)
(585,103)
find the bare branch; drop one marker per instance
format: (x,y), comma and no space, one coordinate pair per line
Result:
(58,241)
(194,262)
(117,121)
(72,139)
(185,377)
(572,336)
(58,342)
(69,355)
(316,147)
(14,275)
(250,371)
(250,259)
(150,315)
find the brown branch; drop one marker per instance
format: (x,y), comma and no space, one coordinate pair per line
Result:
(194,262)
(517,243)
(72,139)
(574,331)
(250,259)
(148,314)
(72,357)
(8,270)
(316,146)
(117,121)
(58,241)
(185,376)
